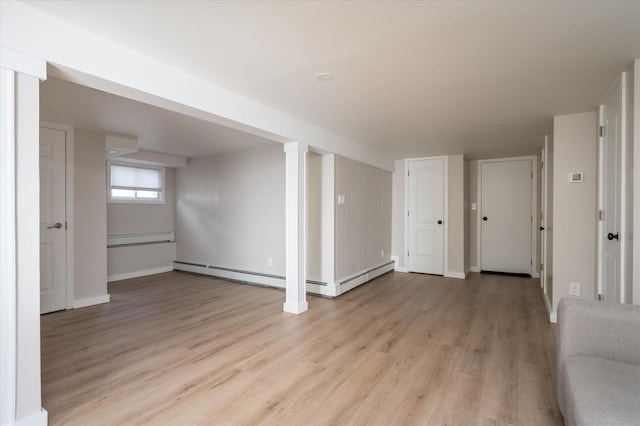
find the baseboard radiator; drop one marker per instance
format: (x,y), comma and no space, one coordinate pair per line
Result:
(278,281)
(140,239)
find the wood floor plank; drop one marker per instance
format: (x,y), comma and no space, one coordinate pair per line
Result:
(183,349)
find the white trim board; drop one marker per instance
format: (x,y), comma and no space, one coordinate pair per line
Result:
(276,281)
(458,275)
(36,419)
(90,301)
(8,265)
(25,64)
(136,274)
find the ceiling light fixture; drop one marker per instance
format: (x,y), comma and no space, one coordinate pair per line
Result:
(324,76)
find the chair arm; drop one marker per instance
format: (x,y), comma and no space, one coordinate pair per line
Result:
(598,329)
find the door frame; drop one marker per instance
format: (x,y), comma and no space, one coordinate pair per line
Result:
(445,206)
(543,215)
(626,182)
(534,210)
(69,264)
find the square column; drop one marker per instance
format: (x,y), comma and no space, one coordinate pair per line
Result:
(295,229)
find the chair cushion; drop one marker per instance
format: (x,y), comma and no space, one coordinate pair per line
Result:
(601,392)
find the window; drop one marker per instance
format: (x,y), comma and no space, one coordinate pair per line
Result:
(135,184)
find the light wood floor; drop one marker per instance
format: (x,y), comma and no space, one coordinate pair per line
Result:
(180,349)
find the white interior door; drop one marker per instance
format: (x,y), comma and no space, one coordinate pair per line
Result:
(506,197)
(612,167)
(426,216)
(52,220)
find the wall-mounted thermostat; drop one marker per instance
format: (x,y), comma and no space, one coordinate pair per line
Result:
(575,177)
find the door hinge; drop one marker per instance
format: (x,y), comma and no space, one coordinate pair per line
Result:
(66,226)
(408,173)
(600,215)
(407,213)
(601,297)
(531,262)
(407,254)
(542,266)
(602,131)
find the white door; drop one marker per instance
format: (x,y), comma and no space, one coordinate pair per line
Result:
(506,219)
(426,216)
(611,163)
(52,220)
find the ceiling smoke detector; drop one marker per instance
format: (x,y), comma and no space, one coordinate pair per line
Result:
(324,76)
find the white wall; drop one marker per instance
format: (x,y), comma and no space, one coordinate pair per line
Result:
(398,214)
(457,228)
(466,207)
(363,223)
(473,217)
(574,205)
(320,217)
(230,210)
(132,218)
(90,218)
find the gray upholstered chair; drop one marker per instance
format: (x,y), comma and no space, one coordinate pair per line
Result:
(598,363)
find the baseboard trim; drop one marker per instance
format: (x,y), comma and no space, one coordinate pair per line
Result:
(547,305)
(90,301)
(366,276)
(458,275)
(36,419)
(396,264)
(277,281)
(136,274)
(474,269)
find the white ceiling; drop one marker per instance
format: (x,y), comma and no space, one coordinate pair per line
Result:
(411,78)
(155,128)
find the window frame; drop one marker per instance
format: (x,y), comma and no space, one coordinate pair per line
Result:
(127,200)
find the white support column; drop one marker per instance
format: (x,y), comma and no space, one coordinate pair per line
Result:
(20,386)
(295,229)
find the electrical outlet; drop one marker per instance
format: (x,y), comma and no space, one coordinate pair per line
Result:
(269,261)
(574,289)
(382,253)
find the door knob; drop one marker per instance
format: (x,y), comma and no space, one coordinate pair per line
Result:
(439,222)
(542,228)
(484,218)
(56,225)
(611,236)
